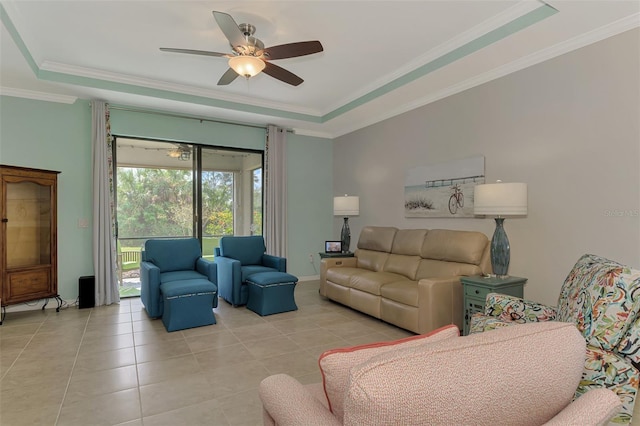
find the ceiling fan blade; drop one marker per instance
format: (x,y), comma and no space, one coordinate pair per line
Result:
(230,28)
(282,74)
(194,52)
(227,77)
(291,50)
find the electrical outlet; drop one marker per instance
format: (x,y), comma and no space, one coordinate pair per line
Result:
(310,258)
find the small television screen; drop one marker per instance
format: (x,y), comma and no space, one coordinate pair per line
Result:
(333,246)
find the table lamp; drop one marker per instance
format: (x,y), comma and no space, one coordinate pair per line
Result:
(500,199)
(346,206)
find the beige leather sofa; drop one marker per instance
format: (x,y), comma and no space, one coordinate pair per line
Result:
(407,277)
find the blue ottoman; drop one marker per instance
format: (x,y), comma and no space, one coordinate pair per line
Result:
(271,293)
(188,303)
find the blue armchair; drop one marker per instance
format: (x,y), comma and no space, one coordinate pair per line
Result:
(238,258)
(170,260)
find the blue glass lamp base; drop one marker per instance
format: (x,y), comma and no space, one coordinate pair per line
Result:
(500,251)
(345,236)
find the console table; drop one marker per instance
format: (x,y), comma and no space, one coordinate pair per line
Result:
(476,288)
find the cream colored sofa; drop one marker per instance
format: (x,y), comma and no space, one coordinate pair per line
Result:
(407,277)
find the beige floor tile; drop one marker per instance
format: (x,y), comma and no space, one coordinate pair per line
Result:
(165,350)
(232,379)
(108,409)
(167,369)
(174,394)
(293,363)
(295,325)
(271,347)
(24,414)
(85,385)
(203,413)
(204,375)
(96,361)
(207,342)
(107,329)
(106,343)
(155,336)
(260,331)
(15,330)
(223,356)
(317,337)
(242,409)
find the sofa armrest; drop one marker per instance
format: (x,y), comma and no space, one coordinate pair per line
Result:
(275,262)
(334,262)
(150,289)
(229,279)
(207,268)
(595,407)
(439,303)
(510,308)
(288,402)
(502,310)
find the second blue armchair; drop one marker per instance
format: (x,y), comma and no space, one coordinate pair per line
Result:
(238,258)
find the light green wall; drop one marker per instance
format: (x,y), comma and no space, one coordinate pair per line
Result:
(156,126)
(57,136)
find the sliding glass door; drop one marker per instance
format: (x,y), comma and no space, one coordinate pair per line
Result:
(170,190)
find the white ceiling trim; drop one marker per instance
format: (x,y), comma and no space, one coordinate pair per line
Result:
(559,49)
(466,37)
(76,71)
(38,96)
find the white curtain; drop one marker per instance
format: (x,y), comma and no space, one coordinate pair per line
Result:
(104,242)
(275,208)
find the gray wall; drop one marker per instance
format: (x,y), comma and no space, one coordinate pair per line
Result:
(568,127)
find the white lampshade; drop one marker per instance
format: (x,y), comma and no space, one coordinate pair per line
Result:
(346,205)
(500,199)
(246,66)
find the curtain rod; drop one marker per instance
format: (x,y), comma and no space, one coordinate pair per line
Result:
(190,117)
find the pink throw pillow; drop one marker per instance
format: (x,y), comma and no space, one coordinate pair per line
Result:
(335,364)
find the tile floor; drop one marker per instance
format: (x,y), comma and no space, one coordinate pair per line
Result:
(113,365)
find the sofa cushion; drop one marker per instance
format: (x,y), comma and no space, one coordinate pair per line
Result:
(335,364)
(601,297)
(405,292)
(403,265)
(432,383)
(370,282)
(163,253)
(408,241)
(430,268)
(343,276)
(248,249)
(166,277)
(377,238)
(371,260)
(454,246)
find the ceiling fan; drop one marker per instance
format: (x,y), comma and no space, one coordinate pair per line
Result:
(249,56)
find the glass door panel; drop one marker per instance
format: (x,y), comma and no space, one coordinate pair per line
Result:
(28,225)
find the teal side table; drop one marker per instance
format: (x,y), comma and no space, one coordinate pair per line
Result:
(476,288)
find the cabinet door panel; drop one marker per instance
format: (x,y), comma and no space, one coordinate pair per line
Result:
(27,284)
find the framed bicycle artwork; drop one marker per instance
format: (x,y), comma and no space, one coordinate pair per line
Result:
(443,189)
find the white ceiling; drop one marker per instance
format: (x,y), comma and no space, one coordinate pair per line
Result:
(381,58)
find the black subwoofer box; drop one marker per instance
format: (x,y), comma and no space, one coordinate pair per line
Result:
(86,292)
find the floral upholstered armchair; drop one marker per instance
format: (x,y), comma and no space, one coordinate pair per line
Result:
(602,298)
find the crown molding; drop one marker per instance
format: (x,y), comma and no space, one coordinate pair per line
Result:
(559,49)
(76,71)
(39,96)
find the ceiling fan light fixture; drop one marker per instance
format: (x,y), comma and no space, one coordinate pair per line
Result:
(246,66)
